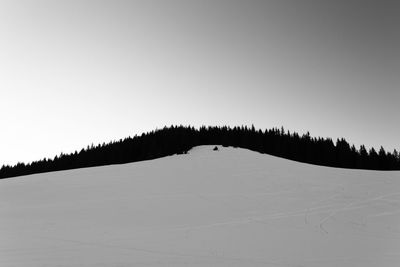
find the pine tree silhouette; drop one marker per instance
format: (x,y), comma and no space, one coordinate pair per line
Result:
(179,139)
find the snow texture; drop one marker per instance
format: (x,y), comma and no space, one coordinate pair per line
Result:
(231,207)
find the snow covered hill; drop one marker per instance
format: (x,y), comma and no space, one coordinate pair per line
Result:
(231,207)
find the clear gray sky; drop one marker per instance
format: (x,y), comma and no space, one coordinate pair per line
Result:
(77,72)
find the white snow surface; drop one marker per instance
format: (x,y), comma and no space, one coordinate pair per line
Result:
(231,207)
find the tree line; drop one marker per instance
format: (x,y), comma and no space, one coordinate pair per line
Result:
(179,139)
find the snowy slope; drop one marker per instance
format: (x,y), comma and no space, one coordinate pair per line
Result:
(231,207)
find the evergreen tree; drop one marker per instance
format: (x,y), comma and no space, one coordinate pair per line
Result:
(179,139)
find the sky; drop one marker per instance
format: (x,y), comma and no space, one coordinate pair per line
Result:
(74,72)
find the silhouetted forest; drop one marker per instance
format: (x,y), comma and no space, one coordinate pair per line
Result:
(179,139)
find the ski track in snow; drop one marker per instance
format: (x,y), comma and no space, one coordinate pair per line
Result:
(232,207)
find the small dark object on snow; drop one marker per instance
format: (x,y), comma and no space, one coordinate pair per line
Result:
(215,148)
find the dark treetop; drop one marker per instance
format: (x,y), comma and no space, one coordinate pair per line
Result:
(179,139)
